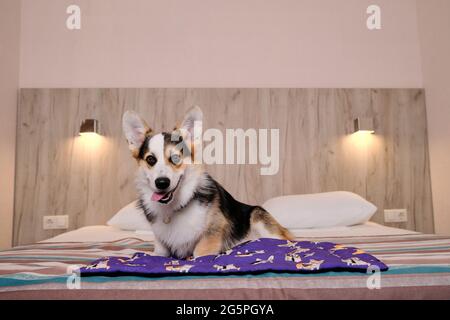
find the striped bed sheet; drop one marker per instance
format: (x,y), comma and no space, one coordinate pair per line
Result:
(419,268)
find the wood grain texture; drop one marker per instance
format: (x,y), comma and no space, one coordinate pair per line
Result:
(61,173)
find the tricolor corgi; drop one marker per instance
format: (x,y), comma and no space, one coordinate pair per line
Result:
(190,212)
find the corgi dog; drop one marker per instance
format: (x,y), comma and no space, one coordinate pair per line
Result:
(191,214)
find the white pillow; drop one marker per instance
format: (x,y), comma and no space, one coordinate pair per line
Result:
(130,217)
(320,210)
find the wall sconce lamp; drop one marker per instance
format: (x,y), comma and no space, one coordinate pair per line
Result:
(364,125)
(89,127)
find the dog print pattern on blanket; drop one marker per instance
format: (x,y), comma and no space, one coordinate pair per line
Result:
(262,255)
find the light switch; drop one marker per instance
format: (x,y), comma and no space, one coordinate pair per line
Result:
(56,222)
(395,215)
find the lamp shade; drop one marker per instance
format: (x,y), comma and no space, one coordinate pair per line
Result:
(89,126)
(363,125)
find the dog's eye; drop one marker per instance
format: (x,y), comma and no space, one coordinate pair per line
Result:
(175,159)
(151,160)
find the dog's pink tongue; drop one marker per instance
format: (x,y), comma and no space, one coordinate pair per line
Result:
(157,196)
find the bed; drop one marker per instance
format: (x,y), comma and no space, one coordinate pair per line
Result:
(419,268)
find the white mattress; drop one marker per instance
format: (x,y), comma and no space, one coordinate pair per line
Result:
(108,233)
(361,230)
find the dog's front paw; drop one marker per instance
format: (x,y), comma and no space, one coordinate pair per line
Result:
(161,251)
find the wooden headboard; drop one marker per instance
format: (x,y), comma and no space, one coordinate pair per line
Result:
(57,173)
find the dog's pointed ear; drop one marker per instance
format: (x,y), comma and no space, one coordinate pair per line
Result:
(135,130)
(193,117)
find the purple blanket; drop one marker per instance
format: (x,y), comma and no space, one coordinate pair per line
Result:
(262,255)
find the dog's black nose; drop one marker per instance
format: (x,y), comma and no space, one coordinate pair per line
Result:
(162,183)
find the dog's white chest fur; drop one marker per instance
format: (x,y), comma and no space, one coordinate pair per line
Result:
(183,231)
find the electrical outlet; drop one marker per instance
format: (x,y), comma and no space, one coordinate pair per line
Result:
(395,215)
(56,222)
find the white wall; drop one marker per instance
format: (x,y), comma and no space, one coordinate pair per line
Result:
(218,43)
(434,27)
(9,83)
